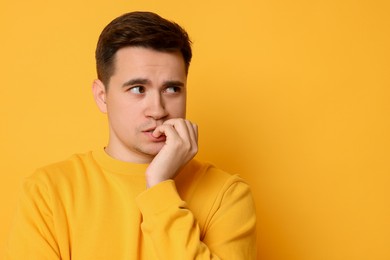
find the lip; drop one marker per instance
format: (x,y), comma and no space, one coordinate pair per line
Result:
(149,134)
(150,129)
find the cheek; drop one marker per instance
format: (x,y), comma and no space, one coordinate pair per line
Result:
(183,106)
(123,115)
(178,108)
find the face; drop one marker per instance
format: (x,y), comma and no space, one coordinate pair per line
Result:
(147,88)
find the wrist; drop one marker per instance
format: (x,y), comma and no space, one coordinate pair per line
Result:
(150,182)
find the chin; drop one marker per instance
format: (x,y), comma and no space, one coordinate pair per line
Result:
(152,150)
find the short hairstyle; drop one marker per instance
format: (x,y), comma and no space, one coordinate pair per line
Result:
(139,29)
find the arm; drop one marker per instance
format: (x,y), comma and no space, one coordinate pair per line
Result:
(32,233)
(171,230)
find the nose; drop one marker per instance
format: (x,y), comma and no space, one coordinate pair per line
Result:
(155,107)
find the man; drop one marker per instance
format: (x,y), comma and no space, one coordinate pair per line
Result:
(143,196)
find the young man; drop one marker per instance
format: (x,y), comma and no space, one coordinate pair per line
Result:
(143,196)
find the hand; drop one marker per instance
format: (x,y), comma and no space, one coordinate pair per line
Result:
(181,145)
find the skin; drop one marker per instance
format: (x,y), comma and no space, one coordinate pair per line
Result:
(145,102)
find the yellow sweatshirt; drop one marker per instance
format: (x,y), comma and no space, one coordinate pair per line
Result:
(92,206)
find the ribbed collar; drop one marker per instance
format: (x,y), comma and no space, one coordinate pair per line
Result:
(113,165)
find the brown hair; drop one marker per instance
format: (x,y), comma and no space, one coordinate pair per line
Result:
(139,29)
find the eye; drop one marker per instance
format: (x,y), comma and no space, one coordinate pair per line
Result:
(173,89)
(137,90)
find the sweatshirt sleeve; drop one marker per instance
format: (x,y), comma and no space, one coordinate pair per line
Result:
(172,231)
(32,233)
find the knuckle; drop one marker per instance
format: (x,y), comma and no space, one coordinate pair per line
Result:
(187,146)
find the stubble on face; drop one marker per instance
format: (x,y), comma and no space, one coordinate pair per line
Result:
(144,146)
(129,113)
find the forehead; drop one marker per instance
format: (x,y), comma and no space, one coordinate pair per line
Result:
(138,59)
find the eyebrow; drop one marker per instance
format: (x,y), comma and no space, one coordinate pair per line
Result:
(136,81)
(143,81)
(176,83)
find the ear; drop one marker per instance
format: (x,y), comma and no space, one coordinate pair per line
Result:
(99,94)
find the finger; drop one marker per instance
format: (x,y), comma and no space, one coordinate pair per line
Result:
(193,131)
(195,127)
(166,129)
(181,128)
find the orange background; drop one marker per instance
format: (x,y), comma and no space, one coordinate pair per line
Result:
(292,95)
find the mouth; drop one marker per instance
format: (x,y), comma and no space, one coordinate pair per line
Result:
(149,133)
(149,130)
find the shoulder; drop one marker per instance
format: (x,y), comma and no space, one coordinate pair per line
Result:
(201,182)
(59,172)
(208,190)
(206,176)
